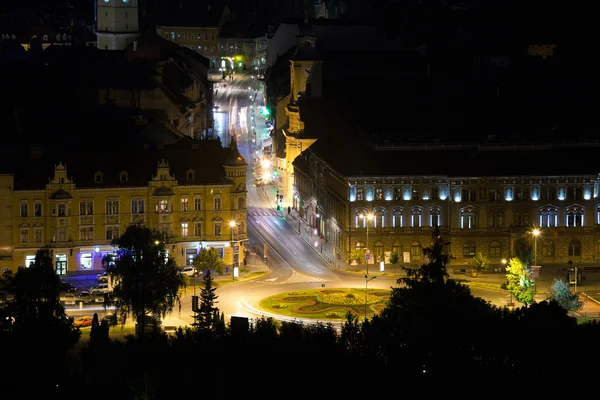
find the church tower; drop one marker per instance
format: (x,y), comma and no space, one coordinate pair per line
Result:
(117,23)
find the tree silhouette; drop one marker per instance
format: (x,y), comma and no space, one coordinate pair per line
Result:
(205,317)
(146,280)
(209,259)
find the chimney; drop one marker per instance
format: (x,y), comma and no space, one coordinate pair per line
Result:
(135,45)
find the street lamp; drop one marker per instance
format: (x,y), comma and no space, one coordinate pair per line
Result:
(232,225)
(535,233)
(367,279)
(368,217)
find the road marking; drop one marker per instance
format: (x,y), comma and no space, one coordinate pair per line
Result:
(270,280)
(298,278)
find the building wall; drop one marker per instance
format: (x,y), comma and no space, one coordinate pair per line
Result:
(489,215)
(65,226)
(6,239)
(203,40)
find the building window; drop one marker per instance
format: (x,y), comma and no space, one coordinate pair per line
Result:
(37,235)
(86,233)
(415,249)
(184,204)
(98,177)
(24,235)
(416,217)
(360,194)
(397,248)
(495,249)
(86,261)
(163,206)
(469,249)
(197,204)
(86,207)
(123,177)
(575,217)
(37,209)
(468,218)
(241,203)
(190,175)
(217,203)
(495,219)
(205,36)
(112,232)
(574,248)
(548,217)
(112,207)
(378,193)
(434,193)
(397,218)
(29,260)
(379,219)
(185,36)
(218,229)
(62,210)
(378,250)
(178,36)
(434,216)
(212,36)
(184,229)
(198,229)
(24,209)
(137,206)
(548,248)
(173,36)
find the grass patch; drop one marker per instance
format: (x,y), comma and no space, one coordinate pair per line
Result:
(326,304)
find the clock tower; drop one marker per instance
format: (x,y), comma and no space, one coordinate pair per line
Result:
(117,23)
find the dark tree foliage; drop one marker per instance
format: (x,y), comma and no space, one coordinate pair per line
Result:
(206,317)
(36,331)
(146,281)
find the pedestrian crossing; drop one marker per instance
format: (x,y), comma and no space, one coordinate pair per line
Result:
(263,213)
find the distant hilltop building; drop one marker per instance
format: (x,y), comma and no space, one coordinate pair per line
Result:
(117,23)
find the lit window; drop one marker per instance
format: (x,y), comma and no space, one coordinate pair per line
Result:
(86,258)
(184,204)
(397,218)
(184,229)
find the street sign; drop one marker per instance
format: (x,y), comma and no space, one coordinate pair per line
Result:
(368,256)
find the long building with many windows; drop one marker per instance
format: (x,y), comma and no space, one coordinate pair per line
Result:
(78,202)
(484,198)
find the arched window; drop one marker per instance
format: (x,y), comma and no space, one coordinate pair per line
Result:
(574,248)
(548,248)
(379,218)
(575,216)
(434,216)
(468,218)
(123,177)
(495,249)
(469,249)
(359,246)
(397,248)
(190,174)
(378,251)
(415,249)
(397,217)
(416,217)
(548,216)
(360,222)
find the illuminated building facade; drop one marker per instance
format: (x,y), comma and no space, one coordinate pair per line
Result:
(483,198)
(89,199)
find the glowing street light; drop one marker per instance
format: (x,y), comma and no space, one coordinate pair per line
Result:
(232,225)
(265,163)
(536,232)
(368,217)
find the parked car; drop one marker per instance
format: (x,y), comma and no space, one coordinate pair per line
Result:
(100,289)
(83,321)
(69,299)
(66,287)
(189,270)
(103,277)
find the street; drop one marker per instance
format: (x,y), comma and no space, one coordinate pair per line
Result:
(293,263)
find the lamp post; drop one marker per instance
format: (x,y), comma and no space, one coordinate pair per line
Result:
(367,279)
(535,233)
(504,262)
(232,225)
(368,217)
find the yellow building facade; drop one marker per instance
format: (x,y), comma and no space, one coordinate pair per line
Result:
(78,221)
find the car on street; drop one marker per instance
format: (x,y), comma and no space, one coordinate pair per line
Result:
(103,277)
(69,299)
(66,287)
(84,321)
(189,270)
(100,289)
